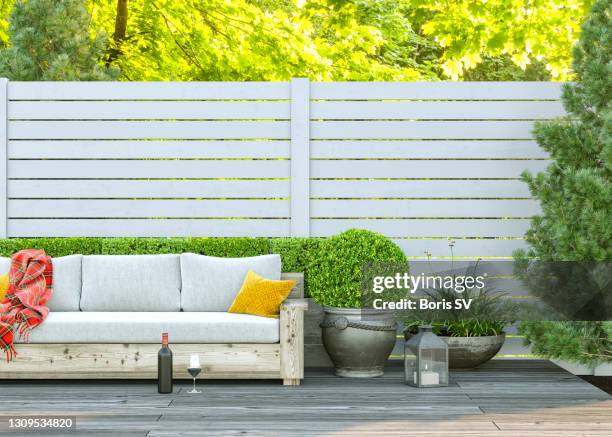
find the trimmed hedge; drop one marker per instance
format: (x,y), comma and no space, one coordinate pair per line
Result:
(53,246)
(297,254)
(336,268)
(225,247)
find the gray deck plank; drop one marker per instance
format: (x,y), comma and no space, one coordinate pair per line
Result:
(503,397)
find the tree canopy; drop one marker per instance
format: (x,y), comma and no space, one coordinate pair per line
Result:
(331,39)
(50,41)
(575,191)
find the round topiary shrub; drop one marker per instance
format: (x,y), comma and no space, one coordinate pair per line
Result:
(335,272)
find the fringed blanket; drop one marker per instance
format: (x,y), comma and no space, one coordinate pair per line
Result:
(30,287)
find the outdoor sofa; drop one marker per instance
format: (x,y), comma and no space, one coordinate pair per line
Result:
(108,312)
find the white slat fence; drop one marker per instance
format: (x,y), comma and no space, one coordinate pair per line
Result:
(419,162)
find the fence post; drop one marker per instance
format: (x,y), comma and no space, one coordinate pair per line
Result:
(300,157)
(3,156)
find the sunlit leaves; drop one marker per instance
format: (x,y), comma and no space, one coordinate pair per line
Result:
(252,40)
(523,29)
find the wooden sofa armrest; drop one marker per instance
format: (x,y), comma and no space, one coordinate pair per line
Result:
(292,340)
(297,303)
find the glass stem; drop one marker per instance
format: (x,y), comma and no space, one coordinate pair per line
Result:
(194,383)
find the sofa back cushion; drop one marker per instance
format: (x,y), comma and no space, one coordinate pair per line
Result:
(66,282)
(131,283)
(211,284)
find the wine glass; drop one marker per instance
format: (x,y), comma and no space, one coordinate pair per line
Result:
(194,370)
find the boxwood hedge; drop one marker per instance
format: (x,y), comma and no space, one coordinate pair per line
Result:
(297,254)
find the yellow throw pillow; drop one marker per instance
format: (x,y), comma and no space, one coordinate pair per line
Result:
(260,296)
(4,284)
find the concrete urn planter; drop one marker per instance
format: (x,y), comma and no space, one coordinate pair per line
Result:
(358,341)
(470,352)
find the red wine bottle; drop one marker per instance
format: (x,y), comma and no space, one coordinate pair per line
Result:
(164,367)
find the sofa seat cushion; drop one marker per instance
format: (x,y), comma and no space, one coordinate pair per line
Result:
(147,327)
(211,284)
(66,282)
(131,283)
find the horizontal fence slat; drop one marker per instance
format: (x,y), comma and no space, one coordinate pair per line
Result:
(178,188)
(335,208)
(109,169)
(147,228)
(424,169)
(435,90)
(66,169)
(486,149)
(419,188)
(119,110)
(148,90)
(83,149)
(62,130)
(421,129)
(445,110)
(494,269)
(424,227)
(462,248)
(103,208)
(24,149)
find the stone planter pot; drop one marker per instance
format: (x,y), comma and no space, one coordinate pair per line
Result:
(470,352)
(358,348)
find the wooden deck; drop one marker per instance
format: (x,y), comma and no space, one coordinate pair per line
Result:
(504,397)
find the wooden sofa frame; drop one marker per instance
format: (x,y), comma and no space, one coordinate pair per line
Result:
(283,360)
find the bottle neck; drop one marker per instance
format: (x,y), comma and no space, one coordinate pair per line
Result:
(164,339)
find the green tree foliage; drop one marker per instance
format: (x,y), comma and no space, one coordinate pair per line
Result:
(333,39)
(251,40)
(5,11)
(575,191)
(524,30)
(50,40)
(502,68)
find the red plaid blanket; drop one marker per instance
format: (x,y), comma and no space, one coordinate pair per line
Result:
(30,287)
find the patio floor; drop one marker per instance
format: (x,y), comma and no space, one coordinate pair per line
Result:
(503,397)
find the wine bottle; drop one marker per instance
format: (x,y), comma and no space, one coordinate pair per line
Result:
(164,367)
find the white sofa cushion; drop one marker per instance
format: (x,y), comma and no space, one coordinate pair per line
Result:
(66,282)
(131,283)
(146,327)
(5,265)
(211,284)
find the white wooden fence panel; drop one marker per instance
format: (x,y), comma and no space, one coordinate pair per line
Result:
(460,169)
(436,90)
(394,129)
(150,227)
(423,208)
(436,110)
(428,188)
(135,188)
(455,228)
(188,130)
(138,110)
(419,162)
(109,169)
(3,157)
(431,149)
(126,149)
(462,248)
(149,91)
(124,208)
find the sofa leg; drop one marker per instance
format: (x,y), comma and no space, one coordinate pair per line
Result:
(291,381)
